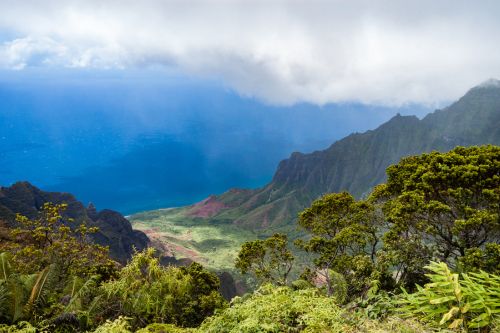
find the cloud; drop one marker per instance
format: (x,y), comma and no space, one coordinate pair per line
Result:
(282,52)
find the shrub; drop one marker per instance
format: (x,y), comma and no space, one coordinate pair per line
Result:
(279,309)
(119,325)
(149,293)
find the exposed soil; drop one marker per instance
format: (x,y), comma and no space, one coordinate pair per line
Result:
(207,208)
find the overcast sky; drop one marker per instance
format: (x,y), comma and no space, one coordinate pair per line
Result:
(281,52)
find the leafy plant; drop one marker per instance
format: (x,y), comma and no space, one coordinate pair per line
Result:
(48,239)
(21,327)
(21,294)
(344,239)
(469,303)
(279,309)
(147,293)
(119,325)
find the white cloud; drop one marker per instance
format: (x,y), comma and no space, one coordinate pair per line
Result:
(383,52)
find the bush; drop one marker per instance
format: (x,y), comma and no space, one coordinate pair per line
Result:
(279,309)
(149,293)
(119,325)
(165,328)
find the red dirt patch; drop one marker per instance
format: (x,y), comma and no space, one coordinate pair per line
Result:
(207,208)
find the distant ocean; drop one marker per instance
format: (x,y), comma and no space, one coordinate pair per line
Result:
(134,143)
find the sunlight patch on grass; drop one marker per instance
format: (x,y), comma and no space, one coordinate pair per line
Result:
(212,244)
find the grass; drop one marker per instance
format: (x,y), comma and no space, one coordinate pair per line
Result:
(215,245)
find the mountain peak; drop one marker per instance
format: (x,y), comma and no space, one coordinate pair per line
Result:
(490,83)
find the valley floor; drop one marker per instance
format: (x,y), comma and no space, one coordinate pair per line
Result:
(214,245)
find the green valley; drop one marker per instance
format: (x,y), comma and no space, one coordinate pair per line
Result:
(214,245)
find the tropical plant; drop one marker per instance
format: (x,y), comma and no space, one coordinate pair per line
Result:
(20,295)
(166,328)
(468,301)
(38,299)
(21,327)
(49,239)
(279,309)
(148,293)
(119,325)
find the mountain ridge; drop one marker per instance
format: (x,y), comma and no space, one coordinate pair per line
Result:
(358,162)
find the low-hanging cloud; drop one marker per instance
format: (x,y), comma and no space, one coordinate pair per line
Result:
(282,52)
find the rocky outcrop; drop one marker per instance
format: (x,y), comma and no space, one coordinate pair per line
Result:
(115,231)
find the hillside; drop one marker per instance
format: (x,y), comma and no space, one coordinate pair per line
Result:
(355,163)
(115,231)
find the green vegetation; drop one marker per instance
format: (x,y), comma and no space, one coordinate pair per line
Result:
(420,254)
(444,207)
(214,245)
(270,260)
(47,240)
(344,237)
(52,278)
(472,301)
(149,293)
(434,207)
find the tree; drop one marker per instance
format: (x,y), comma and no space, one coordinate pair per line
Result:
(51,271)
(344,237)
(269,260)
(443,207)
(50,240)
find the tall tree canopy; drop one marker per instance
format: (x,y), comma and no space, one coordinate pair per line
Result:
(344,237)
(444,206)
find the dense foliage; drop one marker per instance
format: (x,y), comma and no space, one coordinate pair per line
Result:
(420,254)
(344,238)
(444,207)
(53,277)
(148,292)
(469,301)
(270,259)
(49,240)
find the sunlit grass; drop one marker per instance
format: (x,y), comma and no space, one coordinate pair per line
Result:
(213,244)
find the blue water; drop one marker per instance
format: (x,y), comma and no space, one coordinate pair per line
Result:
(140,140)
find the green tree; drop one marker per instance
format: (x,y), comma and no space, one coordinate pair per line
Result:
(49,239)
(344,237)
(445,207)
(269,260)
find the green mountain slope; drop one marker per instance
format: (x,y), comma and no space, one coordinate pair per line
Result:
(358,162)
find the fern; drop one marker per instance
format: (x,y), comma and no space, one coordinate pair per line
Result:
(5,270)
(79,289)
(21,293)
